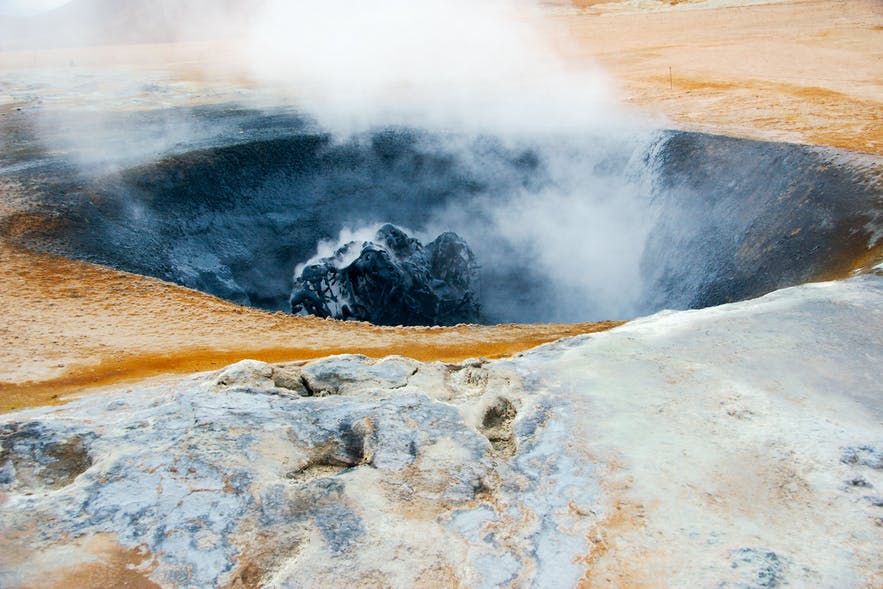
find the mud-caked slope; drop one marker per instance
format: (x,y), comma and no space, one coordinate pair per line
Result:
(742,218)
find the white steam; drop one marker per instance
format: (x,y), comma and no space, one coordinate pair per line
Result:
(28,7)
(470,68)
(586,234)
(335,248)
(440,64)
(461,68)
(577,239)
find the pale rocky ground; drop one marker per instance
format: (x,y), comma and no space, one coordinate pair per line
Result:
(731,447)
(737,446)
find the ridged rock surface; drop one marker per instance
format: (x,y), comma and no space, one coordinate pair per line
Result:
(392,280)
(738,446)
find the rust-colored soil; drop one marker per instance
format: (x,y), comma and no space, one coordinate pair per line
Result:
(114,568)
(807,71)
(68,326)
(108,564)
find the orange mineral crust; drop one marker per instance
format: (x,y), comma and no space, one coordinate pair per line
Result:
(68,326)
(804,71)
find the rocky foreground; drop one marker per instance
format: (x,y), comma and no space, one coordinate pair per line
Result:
(737,446)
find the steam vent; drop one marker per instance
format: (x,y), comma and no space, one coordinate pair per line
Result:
(441,294)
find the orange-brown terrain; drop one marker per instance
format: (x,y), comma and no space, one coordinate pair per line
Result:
(805,71)
(72,325)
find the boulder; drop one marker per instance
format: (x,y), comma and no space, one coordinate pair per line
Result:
(392,280)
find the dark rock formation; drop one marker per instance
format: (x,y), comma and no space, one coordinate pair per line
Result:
(392,280)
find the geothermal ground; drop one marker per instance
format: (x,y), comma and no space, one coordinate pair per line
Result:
(739,445)
(805,72)
(728,65)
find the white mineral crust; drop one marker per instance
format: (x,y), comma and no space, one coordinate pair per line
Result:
(737,446)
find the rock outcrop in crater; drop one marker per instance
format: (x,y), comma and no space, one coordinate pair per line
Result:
(392,280)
